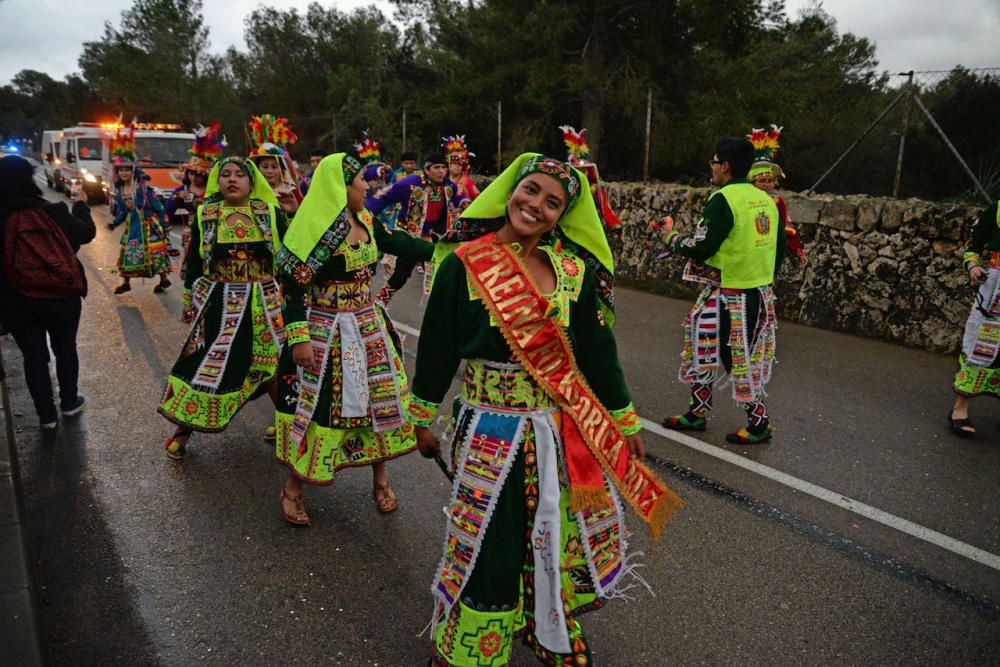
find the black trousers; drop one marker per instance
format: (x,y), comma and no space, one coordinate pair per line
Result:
(48,322)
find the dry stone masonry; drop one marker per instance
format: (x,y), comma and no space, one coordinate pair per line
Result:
(878,267)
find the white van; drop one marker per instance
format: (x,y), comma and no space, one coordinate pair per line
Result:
(52,157)
(85,159)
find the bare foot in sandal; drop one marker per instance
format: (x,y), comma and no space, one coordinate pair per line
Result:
(291,503)
(385,499)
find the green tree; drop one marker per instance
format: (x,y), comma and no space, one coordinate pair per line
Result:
(332,74)
(152,64)
(963,103)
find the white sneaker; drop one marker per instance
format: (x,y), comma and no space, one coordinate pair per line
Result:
(49,426)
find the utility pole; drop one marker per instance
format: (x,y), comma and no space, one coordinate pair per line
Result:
(649,120)
(404,129)
(499,130)
(902,137)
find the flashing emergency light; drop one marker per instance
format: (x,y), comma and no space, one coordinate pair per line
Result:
(157,126)
(115,125)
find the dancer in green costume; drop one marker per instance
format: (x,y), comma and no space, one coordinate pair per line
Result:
(342,389)
(233,301)
(979,370)
(535,532)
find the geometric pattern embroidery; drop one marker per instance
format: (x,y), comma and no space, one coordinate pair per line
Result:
(485,464)
(465,636)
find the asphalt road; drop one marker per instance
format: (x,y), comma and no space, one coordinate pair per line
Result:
(144,561)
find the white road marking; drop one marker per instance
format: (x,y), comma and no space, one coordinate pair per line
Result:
(891,520)
(406,329)
(873,513)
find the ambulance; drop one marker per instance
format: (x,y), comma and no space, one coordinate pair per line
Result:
(86,159)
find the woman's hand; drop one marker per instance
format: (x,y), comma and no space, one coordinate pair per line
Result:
(427,442)
(302,354)
(289,204)
(635,446)
(977,274)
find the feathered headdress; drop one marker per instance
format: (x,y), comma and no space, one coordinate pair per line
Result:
(576,144)
(122,145)
(206,149)
(765,151)
(368,150)
(270,135)
(455,144)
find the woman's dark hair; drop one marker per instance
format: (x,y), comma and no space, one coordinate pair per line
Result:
(17,179)
(317,152)
(435,157)
(737,152)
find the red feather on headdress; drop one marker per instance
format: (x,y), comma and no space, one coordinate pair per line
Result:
(368,150)
(765,142)
(122,145)
(456,144)
(576,143)
(269,129)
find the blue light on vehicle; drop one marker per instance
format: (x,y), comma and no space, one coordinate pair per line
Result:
(13,149)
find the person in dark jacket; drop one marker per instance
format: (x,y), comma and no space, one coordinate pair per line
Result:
(31,320)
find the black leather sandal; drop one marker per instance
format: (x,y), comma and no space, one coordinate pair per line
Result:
(959,426)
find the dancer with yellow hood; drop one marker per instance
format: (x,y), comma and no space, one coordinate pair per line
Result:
(233,303)
(547,444)
(342,390)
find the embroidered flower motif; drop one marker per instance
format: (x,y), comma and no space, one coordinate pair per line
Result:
(303,274)
(489,644)
(570,267)
(191,407)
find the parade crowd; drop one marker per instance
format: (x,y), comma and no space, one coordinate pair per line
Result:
(278,271)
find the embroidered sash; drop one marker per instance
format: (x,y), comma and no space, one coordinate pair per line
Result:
(237,300)
(752,359)
(368,374)
(981,341)
(487,452)
(589,432)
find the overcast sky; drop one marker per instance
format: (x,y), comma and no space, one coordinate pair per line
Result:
(47,35)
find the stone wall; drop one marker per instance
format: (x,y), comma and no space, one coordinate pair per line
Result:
(878,267)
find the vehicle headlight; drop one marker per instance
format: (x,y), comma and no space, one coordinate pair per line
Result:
(90,178)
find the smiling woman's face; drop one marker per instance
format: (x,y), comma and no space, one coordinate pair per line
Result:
(535,205)
(234,184)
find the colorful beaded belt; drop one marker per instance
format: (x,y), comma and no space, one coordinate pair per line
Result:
(336,296)
(490,384)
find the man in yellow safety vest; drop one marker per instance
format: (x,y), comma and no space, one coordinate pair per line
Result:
(735,252)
